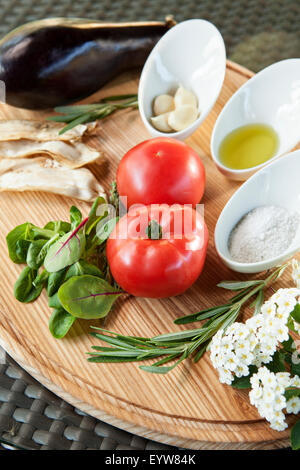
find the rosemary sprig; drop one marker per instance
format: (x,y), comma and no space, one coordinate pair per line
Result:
(80,114)
(246,290)
(178,346)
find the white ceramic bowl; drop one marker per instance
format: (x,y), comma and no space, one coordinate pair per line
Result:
(191,54)
(277,184)
(271,97)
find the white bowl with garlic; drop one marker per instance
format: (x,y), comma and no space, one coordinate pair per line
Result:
(181,79)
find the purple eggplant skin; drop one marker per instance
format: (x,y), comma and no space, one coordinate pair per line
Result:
(53,62)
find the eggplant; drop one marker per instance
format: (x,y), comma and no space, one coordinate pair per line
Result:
(57,61)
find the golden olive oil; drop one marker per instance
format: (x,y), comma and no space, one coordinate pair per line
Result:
(248,146)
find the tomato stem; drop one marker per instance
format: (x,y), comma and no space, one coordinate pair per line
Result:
(154,230)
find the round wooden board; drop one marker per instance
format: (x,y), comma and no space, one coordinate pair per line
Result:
(188,407)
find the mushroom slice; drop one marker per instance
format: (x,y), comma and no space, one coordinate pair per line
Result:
(16,129)
(73,155)
(44,174)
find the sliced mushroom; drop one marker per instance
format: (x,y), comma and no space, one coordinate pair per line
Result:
(184,97)
(182,117)
(161,122)
(15,129)
(44,174)
(73,155)
(163,104)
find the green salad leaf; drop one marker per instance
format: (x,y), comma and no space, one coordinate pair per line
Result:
(54,281)
(15,244)
(21,250)
(295,436)
(24,289)
(33,259)
(58,226)
(60,322)
(83,267)
(66,251)
(87,296)
(75,217)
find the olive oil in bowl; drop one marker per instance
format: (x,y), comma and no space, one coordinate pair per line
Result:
(248,146)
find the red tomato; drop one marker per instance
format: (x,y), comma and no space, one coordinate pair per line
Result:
(162,267)
(161,170)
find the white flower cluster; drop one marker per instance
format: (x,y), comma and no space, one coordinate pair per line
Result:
(267,394)
(255,342)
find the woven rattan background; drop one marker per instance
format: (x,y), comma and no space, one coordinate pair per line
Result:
(257,33)
(31,417)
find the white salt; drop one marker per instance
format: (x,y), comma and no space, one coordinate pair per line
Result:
(263,233)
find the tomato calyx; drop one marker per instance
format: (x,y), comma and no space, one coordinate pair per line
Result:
(154,230)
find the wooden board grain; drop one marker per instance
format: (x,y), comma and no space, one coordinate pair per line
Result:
(188,407)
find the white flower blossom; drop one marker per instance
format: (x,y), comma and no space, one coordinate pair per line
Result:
(283,379)
(225,376)
(267,394)
(279,400)
(295,381)
(241,370)
(297,327)
(293,405)
(286,302)
(268,308)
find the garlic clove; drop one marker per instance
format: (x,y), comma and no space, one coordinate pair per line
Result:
(163,104)
(182,117)
(184,97)
(161,123)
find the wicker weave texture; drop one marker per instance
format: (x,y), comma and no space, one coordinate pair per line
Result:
(256,32)
(31,417)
